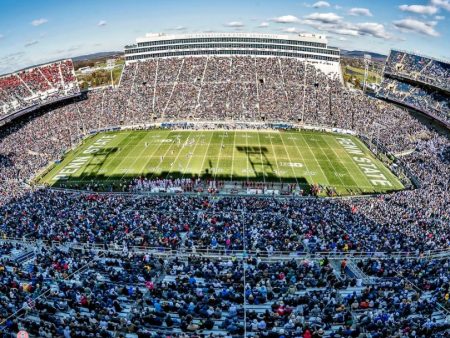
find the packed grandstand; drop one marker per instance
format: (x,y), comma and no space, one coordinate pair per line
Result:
(418,82)
(29,89)
(81,263)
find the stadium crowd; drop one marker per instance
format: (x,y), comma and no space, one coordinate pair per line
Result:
(433,103)
(70,293)
(127,284)
(419,68)
(37,85)
(408,78)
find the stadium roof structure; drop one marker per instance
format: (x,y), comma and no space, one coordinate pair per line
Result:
(311,47)
(443,60)
(300,37)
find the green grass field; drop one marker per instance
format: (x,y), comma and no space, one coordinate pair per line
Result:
(305,157)
(358,73)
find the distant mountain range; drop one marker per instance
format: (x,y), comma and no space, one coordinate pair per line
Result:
(96,56)
(360,54)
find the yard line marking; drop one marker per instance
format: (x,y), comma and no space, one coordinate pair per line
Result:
(331,163)
(193,154)
(304,160)
(179,152)
(150,157)
(358,172)
(289,157)
(247,160)
(218,158)
(206,152)
(260,155)
(136,157)
(315,159)
(117,156)
(160,163)
(276,160)
(125,158)
(232,156)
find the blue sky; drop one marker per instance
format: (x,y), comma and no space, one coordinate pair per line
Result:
(36,31)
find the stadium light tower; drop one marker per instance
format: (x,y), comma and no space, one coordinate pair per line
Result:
(367,61)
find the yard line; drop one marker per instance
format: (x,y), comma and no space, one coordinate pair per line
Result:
(150,157)
(260,155)
(118,153)
(303,159)
(347,154)
(125,157)
(275,155)
(232,156)
(289,157)
(193,153)
(139,156)
(315,159)
(246,168)
(179,152)
(159,164)
(331,163)
(218,158)
(206,152)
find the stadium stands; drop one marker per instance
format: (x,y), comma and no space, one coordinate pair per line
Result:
(78,264)
(240,88)
(418,82)
(420,68)
(36,86)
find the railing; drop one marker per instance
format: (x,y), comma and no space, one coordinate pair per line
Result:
(418,109)
(224,252)
(422,80)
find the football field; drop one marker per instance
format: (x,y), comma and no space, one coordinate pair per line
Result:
(304,157)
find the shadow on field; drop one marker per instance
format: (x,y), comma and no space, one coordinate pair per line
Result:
(96,163)
(258,160)
(102,182)
(96,175)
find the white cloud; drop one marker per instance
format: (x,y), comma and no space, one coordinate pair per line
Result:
(439,17)
(101,23)
(68,51)
(235,24)
(372,28)
(180,28)
(31,43)
(290,30)
(359,12)
(321,4)
(324,17)
(39,22)
(419,9)
(441,3)
(412,25)
(12,62)
(263,24)
(345,31)
(286,19)
(340,38)
(336,25)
